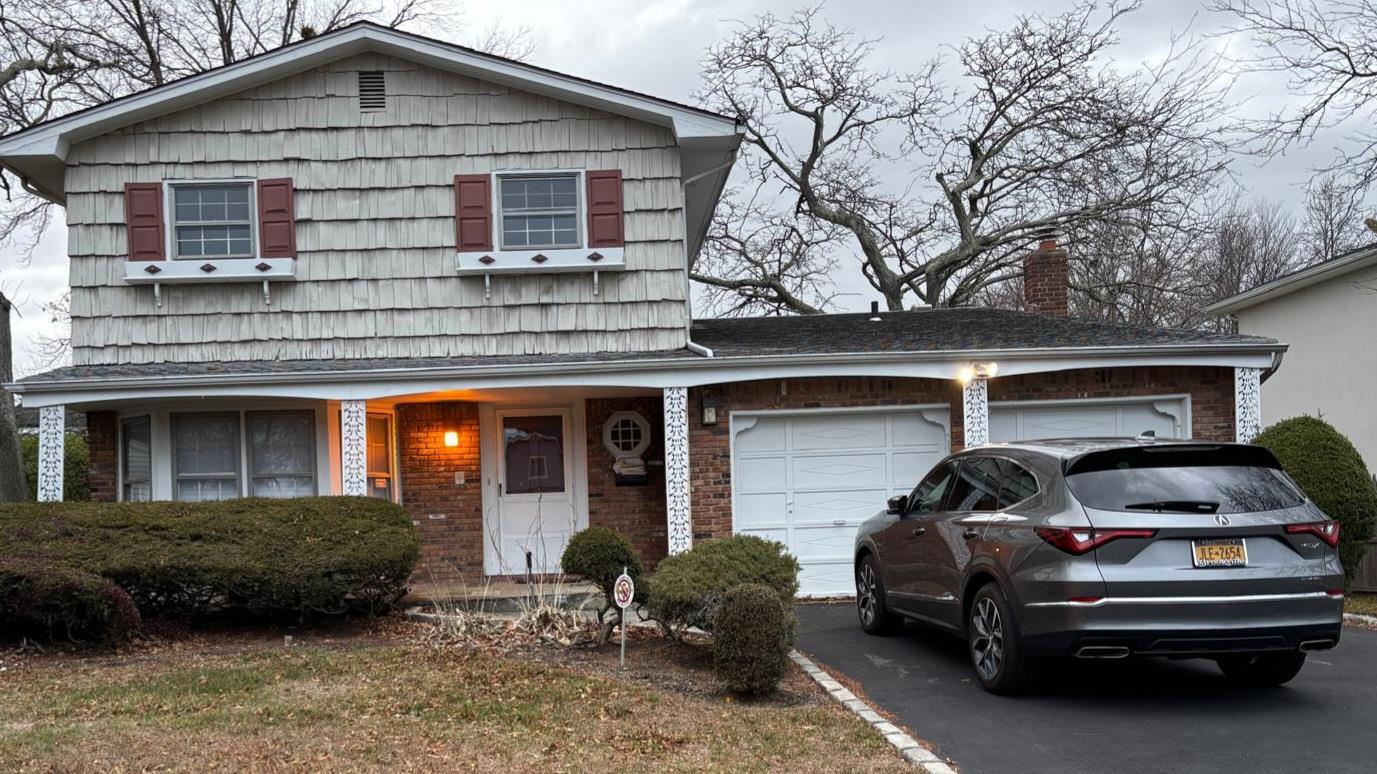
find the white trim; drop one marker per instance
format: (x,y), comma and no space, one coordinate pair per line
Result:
(354,447)
(678,471)
(564,259)
(1186,420)
(170,217)
(1247,404)
(187,270)
(655,373)
(1330,269)
(52,452)
(640,421)
(975,413)
(580,208)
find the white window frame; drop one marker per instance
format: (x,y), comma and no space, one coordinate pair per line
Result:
(122,479)
(248,448)
(580,209)
(393,483)
(170,217)
(240,450)
(639,421)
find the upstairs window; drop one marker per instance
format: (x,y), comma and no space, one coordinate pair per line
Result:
(539,211)
(212,220)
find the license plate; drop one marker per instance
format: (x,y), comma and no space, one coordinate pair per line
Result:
(1220,552)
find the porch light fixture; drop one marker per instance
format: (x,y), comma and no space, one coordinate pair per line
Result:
(451,438)
(977,371)
(709,412)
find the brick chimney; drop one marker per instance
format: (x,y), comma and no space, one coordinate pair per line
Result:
(1044,278)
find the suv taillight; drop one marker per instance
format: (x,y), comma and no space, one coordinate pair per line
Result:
(1080,540)
(1328,531)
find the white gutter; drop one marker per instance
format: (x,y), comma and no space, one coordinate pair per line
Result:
(688,283)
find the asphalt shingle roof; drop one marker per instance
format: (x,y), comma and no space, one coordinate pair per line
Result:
(923,331)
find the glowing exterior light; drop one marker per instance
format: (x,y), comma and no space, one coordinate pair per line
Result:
(451,438)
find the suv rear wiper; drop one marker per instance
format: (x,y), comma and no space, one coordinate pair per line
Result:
(1185,506)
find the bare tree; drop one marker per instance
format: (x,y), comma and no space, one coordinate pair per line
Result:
(13,487)
(940,192)
(1326,52)
(1333,219)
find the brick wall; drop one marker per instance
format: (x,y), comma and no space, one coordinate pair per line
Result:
(1211,390)
(1044,280)
(448,516)
(637,512)
(102,437)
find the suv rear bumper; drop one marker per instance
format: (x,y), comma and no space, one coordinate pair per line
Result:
(1184,626)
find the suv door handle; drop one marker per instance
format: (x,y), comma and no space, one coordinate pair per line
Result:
(970,532)
(919,531)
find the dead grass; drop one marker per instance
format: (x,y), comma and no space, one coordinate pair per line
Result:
(380,700)
(1363,604)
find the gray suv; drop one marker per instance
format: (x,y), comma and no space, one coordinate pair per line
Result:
(1108,548)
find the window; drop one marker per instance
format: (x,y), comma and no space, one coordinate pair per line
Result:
(212,220)
(930,494)
(534,455)
(977,486)
(539,211)
(136,454)
(626,434)
(380,456)
(282,453)
(205,456)
(1017,484)
(1214,489)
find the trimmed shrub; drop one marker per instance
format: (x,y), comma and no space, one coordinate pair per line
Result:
(753,632)
(686,588)
(597,555)
(1326,466)
(260,556)
(48,601)
(76,467)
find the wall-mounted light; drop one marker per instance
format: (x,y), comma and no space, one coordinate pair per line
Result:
(451,438)
(709,411)
(977,371)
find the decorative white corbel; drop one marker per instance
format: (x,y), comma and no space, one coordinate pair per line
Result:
(354,446)
(1247,404)
(678,509)
(975,400)
(52,432)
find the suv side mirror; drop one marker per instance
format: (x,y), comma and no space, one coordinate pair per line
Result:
(897,504)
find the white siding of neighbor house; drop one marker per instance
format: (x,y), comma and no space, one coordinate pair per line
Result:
(375,225)
(1331,366)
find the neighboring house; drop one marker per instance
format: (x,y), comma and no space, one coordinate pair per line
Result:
(372,263)
(26,421)
(1327,314)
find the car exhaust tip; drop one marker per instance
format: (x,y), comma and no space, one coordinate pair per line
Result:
(1310,645)
(1102,651)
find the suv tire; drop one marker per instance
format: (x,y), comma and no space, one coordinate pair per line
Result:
(993,641)
(875,615)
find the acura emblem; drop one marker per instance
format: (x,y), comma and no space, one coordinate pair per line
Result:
(1221,520)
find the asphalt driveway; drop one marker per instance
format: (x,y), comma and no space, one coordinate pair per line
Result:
(1121,716)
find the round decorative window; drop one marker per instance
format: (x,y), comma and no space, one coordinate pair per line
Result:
(626,434)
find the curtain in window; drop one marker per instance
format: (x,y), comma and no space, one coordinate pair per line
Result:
(282,459)
(379,457)
(205,449)
(138,460)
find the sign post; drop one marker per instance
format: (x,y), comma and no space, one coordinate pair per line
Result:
(623,592)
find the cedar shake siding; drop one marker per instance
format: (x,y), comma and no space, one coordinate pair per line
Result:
(375,226)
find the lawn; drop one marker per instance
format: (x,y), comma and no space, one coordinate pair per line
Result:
(1364,604)
(370,703)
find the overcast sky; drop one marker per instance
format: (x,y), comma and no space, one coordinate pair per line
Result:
(655,46)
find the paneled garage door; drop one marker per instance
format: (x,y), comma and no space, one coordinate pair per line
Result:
(1089,418)
(809,479)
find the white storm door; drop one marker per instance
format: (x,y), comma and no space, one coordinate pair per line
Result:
(536,503)
(808,480)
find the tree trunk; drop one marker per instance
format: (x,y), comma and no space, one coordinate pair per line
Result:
(13,487)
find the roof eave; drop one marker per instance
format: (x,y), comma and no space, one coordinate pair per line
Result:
(1291,283)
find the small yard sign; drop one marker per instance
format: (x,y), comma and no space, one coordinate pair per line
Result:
(623,592)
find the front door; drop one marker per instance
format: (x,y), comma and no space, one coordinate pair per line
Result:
(536,504)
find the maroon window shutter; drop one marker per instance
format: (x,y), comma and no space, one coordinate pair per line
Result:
(276,219)
(143,221)
(605,209)
(473,212)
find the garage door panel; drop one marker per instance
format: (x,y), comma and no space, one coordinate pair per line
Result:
(827,578)
(829,432)
(910,467)
(853,507)
(756,510)
(844,470)
(825,542)
(910,430)
(756,474)
(1083,420)
(768,434)
(779,535)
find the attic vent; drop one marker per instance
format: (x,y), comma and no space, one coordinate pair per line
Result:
(372,90)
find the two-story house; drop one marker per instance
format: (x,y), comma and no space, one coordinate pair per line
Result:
(372,263)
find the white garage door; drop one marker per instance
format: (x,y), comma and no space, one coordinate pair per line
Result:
(809,479)
(1088,419)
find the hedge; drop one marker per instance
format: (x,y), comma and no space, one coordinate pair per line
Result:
(686,588)
(48,601)
(76,467)
(260,556)
(753,632)
(1327,467)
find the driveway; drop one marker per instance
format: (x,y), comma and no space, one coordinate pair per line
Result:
(1120,716)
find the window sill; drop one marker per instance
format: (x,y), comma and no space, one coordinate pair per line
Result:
(210,270)
(582,259)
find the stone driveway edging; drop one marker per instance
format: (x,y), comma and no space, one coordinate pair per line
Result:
(1367,621)
(921,757)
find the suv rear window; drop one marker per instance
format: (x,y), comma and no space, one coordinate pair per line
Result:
(1222,479)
